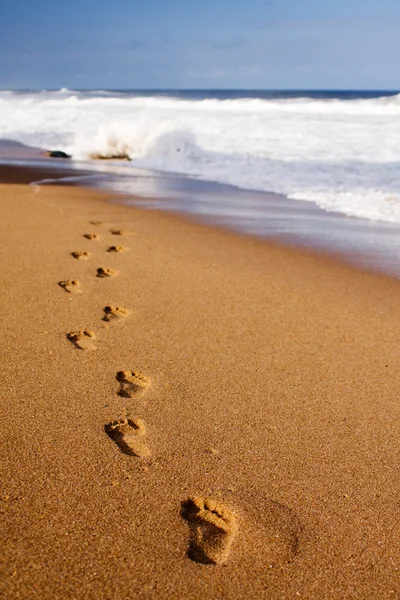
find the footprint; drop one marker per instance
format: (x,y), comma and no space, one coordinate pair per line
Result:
(120,231)
(96,222)
(92,236)
(129,436)
(71,285)
(213,528)
(81,255)
(117,249)
(105,272)
(132,382)
(113,313)
(272,527)
(82,339)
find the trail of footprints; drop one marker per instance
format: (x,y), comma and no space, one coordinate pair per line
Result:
(128,433)
(213,526)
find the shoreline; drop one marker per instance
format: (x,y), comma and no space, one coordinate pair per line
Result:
(271,387)
(264,141)
(373,246)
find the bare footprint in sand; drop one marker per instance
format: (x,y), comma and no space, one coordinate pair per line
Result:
(129,435)
(81,255)
(117,249)
(114,313)
(213,528)
(120,231)
(71,286)
(105,272)
(96,222)
(132,383)
(271,530)
(91,236)
(82,339)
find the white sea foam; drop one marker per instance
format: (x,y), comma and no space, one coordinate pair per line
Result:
(342,154)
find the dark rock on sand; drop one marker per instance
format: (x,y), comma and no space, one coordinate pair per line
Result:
(57,154)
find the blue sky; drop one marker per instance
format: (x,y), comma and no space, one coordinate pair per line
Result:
(268,44)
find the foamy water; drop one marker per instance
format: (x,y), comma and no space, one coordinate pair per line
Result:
(341,153)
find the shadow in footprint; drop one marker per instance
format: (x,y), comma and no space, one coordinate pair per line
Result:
(72,286)
(91,236)
(129,435)
(114,313)
(132,383)
(82,339)
(213,528)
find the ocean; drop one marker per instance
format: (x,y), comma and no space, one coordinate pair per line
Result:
(217,153)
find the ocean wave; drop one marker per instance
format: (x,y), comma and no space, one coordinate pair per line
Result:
(341,153)
(384,105)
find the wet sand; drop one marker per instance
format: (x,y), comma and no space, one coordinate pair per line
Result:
(190,413)
(30,173)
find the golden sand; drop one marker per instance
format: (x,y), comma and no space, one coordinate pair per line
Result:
(235,435)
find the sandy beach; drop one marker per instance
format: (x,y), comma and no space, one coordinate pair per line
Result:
(187,413)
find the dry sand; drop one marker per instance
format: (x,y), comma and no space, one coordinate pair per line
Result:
(227,428)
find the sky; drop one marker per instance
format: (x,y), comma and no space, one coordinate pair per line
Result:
(206,44)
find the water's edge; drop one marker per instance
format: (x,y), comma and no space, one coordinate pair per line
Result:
(374,246)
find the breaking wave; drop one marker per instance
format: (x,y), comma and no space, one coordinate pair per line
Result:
(343,154)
